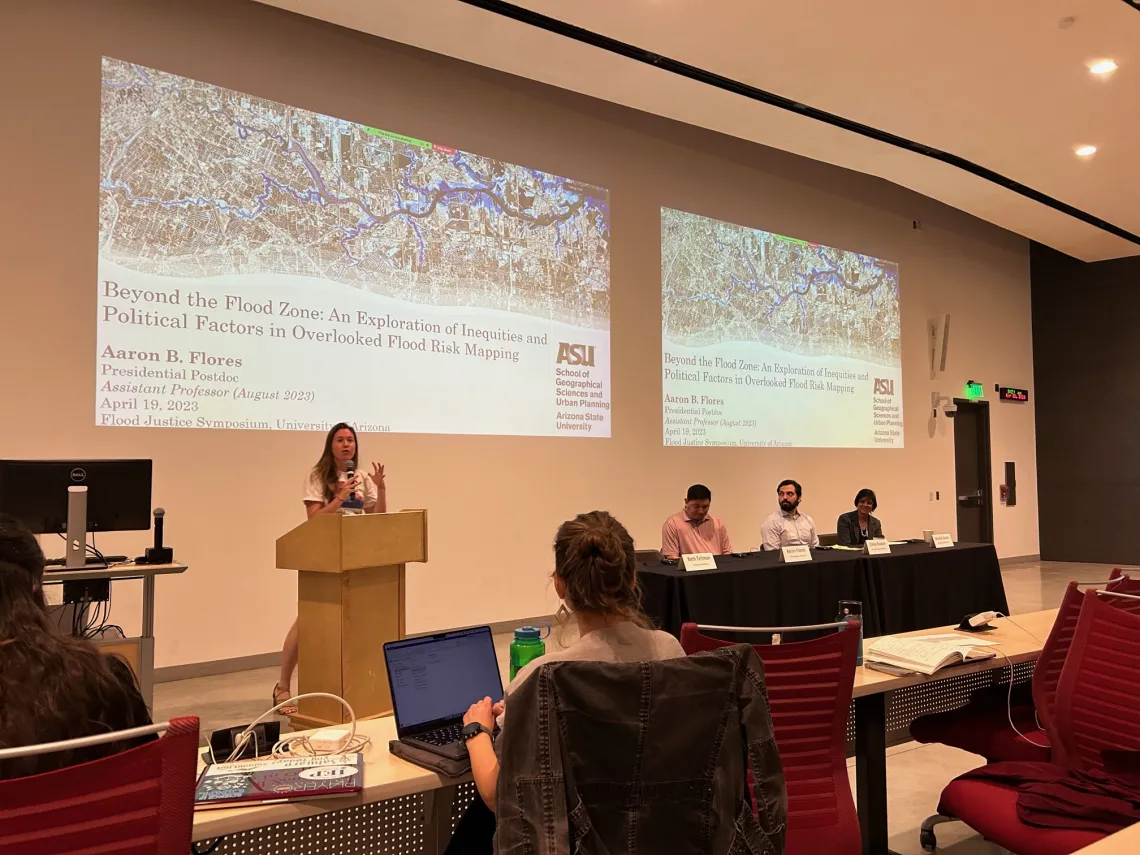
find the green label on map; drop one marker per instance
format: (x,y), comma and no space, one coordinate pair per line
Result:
(376,132)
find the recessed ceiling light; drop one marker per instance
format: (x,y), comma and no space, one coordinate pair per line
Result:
(1102,66)
(1085,150)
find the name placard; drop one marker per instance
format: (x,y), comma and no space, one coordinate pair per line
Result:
(942,541)
(795,554)
(877,546)
(699,561)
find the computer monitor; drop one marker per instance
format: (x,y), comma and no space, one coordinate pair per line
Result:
(36,493)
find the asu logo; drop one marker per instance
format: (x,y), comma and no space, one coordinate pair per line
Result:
(575,354)
(884,387)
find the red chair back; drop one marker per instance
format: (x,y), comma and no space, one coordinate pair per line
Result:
(137,802)
(809,691)
(1098,696)
(1047,671)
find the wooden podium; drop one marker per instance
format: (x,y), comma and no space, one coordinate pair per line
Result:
(350,601)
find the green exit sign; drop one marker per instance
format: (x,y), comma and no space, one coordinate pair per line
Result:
(974,391)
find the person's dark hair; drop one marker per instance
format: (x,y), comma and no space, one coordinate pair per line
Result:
(594,558)
(52,686)
(698,493)
(866,494)
(326,466)
(788,482)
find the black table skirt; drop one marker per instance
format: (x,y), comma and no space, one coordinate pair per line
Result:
(916,587)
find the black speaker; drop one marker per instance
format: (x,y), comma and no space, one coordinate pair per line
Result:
(1010,485)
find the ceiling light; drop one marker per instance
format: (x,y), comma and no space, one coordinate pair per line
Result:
(1085,150)
(1102,66)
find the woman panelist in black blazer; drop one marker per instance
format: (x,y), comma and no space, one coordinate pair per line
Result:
(858,526)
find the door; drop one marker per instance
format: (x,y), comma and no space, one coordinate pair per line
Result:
(972,480)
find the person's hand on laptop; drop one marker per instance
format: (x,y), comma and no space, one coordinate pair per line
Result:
(484,712)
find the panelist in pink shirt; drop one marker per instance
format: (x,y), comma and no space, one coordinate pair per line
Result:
(694,529)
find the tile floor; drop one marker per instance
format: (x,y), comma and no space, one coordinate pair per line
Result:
(916,773)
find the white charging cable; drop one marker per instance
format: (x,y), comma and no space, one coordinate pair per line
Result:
(301,744)
(1009,694)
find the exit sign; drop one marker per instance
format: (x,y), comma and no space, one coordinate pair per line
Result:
(974,391)
(1009,393)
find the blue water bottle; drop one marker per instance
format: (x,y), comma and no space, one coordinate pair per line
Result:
(852,610)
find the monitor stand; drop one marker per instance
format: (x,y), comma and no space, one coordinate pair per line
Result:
(76,556)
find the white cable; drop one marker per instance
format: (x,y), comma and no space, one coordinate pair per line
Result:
(244,736)
(1009,695)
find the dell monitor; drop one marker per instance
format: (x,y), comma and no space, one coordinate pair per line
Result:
(77,496)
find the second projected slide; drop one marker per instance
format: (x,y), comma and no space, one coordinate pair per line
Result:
(270,268)
(768,340)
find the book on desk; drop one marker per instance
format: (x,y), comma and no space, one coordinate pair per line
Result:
(928,654)
(257,782)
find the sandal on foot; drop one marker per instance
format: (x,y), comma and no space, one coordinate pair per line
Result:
(281,695)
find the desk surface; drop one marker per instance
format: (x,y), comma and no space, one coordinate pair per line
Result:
(1020,639)
(771,558)
(388,777)
(115,572)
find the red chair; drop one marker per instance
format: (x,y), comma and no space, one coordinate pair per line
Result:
(809,692)
(137,802)
(983,725)
(1097,707)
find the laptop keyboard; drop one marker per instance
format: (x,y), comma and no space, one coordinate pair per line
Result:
(442,735)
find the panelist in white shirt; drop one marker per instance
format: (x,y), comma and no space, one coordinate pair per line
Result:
(788,526)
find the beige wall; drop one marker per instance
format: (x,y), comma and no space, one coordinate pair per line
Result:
(495,502)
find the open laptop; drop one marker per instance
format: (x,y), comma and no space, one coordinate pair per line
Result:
(435,679)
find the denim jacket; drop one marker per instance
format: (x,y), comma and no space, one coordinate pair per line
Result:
(646,758)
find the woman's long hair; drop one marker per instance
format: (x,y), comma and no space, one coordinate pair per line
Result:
(52,686)
(326,466)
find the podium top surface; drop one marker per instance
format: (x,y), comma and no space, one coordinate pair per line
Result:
(115,572)
(336,543)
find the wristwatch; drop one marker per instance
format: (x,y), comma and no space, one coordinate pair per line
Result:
(470,731)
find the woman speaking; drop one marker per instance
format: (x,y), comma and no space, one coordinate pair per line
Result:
(335,486)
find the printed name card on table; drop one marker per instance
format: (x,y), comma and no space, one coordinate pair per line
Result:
(795,554)
(699,561)
(877,546)
(942,541)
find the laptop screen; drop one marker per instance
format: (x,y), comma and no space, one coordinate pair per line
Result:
(437,677)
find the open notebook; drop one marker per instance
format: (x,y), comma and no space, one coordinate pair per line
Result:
(928,653)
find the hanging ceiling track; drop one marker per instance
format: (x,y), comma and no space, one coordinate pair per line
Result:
(700,75)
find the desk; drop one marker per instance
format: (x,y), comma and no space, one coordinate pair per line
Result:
(914,587)
(1020,638)
(144,644)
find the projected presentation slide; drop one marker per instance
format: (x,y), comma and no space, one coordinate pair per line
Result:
(771,341)
(269,268)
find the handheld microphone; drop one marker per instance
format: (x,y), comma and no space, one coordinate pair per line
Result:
(158,554)
(350,470)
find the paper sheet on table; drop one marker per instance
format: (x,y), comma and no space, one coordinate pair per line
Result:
(848,548)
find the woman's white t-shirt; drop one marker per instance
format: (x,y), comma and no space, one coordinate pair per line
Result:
(315,488)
